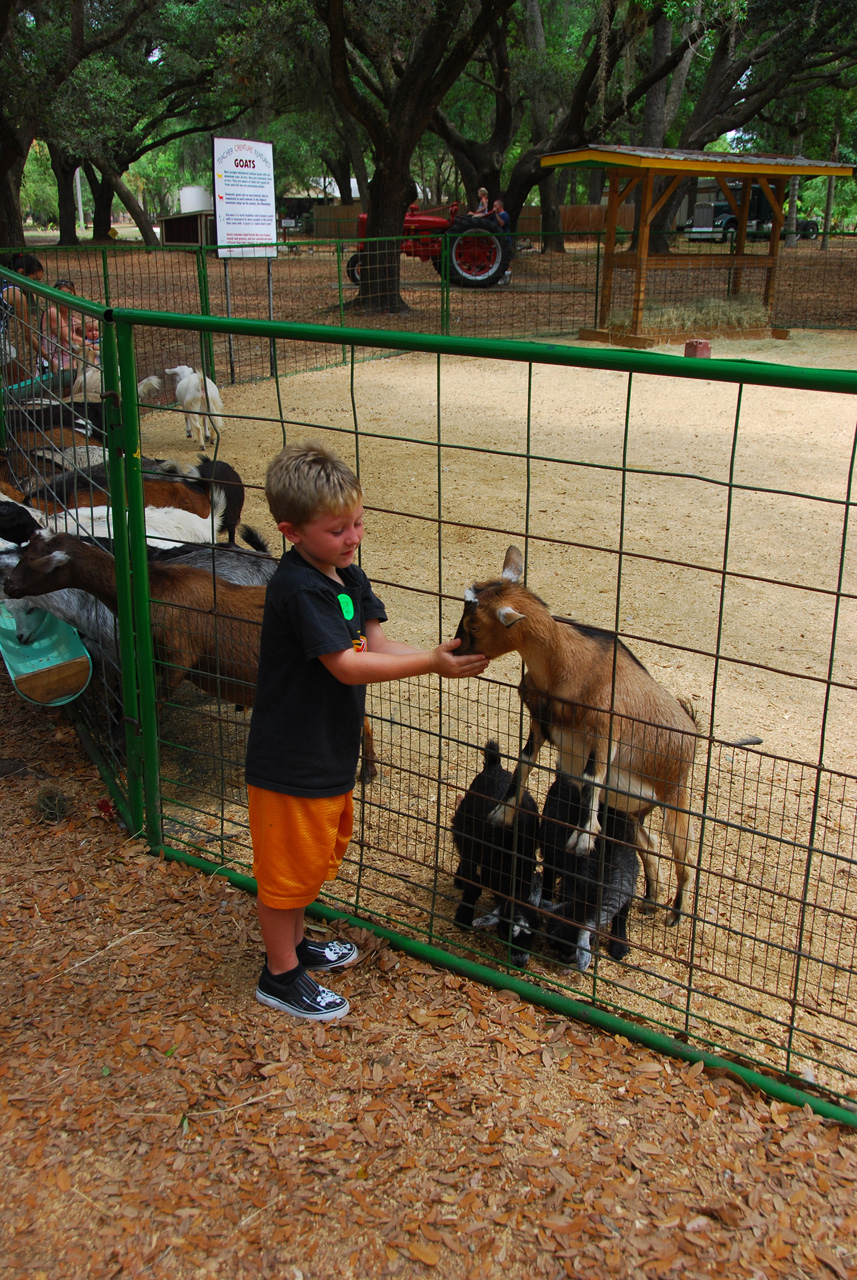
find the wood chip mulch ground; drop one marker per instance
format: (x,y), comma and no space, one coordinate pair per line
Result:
(157,1122)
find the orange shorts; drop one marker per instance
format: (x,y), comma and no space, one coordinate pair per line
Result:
(298,843)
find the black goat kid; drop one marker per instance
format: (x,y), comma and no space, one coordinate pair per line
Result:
(597,889)
(501,859)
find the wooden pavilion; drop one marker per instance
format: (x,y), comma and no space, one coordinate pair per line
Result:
(630,168)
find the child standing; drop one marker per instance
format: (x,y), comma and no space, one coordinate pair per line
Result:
(322,643)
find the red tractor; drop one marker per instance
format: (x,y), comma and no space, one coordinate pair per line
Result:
(479,252)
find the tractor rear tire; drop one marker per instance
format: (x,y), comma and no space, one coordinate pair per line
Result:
(352,268)
(476,260)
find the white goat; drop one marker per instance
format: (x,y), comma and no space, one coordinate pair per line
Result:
(200,400)
(165,526)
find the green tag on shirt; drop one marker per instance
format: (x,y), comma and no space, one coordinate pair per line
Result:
(346,604)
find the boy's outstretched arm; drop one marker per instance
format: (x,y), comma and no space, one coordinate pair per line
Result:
(389,660)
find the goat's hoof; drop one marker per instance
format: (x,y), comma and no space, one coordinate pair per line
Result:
(673,917)
(618,950)
(582,959)
(581,843)
(648,907)
(520,959)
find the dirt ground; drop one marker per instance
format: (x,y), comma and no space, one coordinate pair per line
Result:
(156,1122)
(791,467)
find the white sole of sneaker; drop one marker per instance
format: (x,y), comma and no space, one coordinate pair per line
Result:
(326,968)
(271,1002)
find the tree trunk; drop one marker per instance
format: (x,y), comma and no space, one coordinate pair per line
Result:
(65,167)
(11,222)
(552,237)
(597,178)
(828,213)
(340,170)
(790,241)
(526,174)
(391,190)
(831,187)
(654,126)
(352,140)
(102,202)
(136,210)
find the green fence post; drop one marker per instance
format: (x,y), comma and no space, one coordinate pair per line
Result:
(144,656)
(341,295)
(105,276)
(117,445)
(597,276)
(444,287)
(205,308)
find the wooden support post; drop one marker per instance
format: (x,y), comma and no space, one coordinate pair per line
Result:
(642,254)
(614,179)
(741,238)
(775,199)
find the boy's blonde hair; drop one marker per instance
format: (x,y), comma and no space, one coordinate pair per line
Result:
(307,479)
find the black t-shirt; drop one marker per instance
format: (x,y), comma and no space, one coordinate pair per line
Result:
(305,730)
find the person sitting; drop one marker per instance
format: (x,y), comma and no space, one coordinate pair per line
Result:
(503,222)
(63,334)
(20,344)
(481,210)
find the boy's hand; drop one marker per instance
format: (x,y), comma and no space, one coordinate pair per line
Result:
(453,666)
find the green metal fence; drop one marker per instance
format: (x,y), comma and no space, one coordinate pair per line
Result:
(550,296)
(691,524)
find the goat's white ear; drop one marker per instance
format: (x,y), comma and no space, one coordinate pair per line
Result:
(513,565)
(509,617)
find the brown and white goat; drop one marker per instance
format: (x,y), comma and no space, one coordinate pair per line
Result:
(204,628)
(616,730)
(73,489)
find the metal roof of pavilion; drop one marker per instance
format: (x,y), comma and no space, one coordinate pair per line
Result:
(701,163)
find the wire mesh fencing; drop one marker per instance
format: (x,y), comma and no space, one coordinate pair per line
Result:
(671,509)
(547,294)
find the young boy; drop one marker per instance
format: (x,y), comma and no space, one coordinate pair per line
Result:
(322,643)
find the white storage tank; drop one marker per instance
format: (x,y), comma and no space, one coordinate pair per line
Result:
(195,200)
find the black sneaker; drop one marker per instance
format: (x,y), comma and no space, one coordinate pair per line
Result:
(302,997)
(332,954)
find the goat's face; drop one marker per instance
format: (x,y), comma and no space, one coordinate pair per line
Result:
(490,614)
(43,566)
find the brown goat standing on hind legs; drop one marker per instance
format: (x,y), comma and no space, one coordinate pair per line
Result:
(614,727)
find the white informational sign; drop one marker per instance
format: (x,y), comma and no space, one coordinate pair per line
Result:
(244,206)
